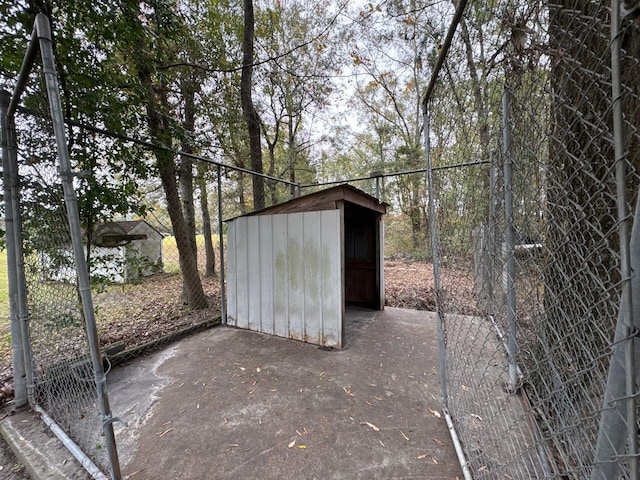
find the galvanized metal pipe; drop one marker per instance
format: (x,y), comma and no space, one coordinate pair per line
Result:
(70,445)
(23,75)
(223,295)
(627,300)
(509,240)
(21,281)
(435,257)
(464,464)
(151,145)
(71,203)
(395,174)
(17,351)
(618,423)
(492,236)
(457,16)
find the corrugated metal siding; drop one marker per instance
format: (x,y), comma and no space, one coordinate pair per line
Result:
(284,275)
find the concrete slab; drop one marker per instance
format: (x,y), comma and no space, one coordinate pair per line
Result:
(230,403)
(38,449)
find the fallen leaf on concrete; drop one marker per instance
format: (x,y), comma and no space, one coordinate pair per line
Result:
(382,443)
(347,391)
(477,417)
(162,434)
(371,426)
(435,413)
(404,436)
(433,459)
(302,446)
(422,457)
(439,442)
(292,444)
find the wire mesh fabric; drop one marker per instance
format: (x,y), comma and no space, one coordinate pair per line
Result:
(560,205)
(64,383)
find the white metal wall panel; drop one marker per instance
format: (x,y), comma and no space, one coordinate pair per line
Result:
(266,274)
(231,275)
(295,271)
(242,273)
(287,278)
(312,273)
(331,275)
(280,276)
(254,274)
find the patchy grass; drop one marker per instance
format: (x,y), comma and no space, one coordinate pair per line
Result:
(170,252)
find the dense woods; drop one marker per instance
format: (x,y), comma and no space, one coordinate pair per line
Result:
(307,92)
(304,91)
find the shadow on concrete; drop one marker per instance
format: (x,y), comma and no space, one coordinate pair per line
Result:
(229,403)
(234,404)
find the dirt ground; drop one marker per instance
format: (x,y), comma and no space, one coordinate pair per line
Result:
(10,468)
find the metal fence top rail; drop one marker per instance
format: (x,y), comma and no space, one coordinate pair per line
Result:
(375,175)
(152,145)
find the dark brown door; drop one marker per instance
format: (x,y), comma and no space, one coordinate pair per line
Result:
(360,264)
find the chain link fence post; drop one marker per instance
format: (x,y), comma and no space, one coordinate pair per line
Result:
(223,295)
(12,234)
(509,242)
(617,430)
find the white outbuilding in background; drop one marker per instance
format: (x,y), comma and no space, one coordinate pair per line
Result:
(294,267)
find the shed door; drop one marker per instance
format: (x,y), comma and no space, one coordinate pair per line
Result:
(361,258)
(360,265)
(284,275)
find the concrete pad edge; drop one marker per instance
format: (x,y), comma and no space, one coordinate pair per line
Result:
(42,454)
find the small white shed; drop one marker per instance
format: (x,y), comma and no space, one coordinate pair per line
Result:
(126,250)
(293,267)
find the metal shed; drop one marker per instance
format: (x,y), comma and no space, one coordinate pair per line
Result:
(294,267)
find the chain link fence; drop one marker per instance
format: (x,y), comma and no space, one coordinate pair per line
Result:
(539,351)
(529,211)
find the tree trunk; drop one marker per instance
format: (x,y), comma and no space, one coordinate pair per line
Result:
(195,296)
(210,253)
(292,154)
(271,146)
(185,168)
(160,131)
(248,109)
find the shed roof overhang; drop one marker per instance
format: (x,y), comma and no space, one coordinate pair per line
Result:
(328,199)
